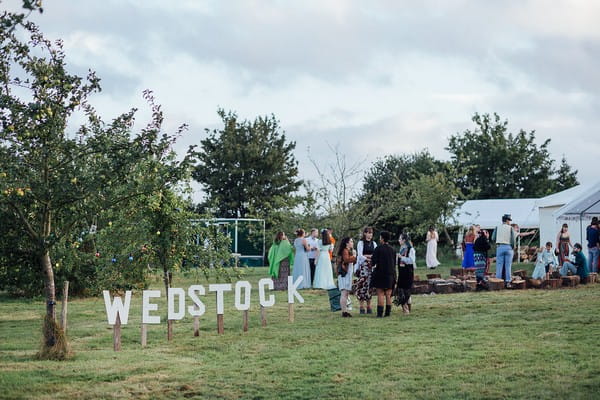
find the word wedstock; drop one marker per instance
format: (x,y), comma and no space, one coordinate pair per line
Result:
(242,303)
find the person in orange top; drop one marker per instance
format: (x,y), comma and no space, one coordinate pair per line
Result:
(330,230)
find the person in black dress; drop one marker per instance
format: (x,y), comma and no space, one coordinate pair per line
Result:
(406,264)
(383,278)
(480,255)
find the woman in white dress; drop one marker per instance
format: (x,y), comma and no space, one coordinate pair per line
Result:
(432,241)
(301,264)
(323,272)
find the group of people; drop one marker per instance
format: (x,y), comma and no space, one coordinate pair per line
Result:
(569,258)
(376,269)
(367,270)
(476,245)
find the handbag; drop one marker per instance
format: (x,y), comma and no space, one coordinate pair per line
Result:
(341,270)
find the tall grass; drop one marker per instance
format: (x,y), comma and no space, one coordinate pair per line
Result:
(497,345)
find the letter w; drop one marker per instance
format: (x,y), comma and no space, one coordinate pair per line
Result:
(117,307)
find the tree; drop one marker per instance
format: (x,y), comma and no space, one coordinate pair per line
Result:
(565,177)
(494,163)
(395,170)
(392,198)
(53,181)
(248,168)
(338,189)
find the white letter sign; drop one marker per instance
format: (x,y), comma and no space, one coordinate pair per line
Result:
(172,293)
(238,295)
(261,292)
(117,307)
(147,307)
(198,309)
(220,288)
(292,292)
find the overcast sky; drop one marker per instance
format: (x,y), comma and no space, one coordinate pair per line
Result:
(375,78)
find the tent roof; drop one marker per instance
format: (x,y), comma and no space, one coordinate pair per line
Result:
(585,205)
(488,213)
(564,197)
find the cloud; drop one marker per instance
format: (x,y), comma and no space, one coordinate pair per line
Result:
(377,77)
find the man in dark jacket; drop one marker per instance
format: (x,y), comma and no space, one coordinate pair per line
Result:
(578,267)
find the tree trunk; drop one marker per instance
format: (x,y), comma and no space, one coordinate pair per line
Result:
(49,340)
(448,238)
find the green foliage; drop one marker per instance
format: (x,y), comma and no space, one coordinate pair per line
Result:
(408,193)
(393,171)
(248,169)
(494,163)
(565,177)
(52,182)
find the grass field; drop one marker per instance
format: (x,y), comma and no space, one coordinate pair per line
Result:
(496,345)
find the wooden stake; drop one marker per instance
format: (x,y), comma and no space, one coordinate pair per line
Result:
(245,317)
(117,334)
(263,316)
(196,326)
(220,325)
(170,330)
(144,335)
(291,312)
(63,314)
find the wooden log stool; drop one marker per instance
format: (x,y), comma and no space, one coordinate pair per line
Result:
(522,273)
(534,283)
(552,283)
(471,284)
(571,281)
(519,284)
(495,283)
(443,287)
(592,278)
(422,288)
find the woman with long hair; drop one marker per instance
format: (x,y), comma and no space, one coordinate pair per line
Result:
(281,260)
(346,257)
(384,260)
(481,246)
(468,254)
(432,239)
(406,272)
(563,244)
(362,287)
(301,264)
(323,272)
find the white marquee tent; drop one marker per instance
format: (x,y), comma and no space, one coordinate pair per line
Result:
(579,212)
(549,205)
(488,213)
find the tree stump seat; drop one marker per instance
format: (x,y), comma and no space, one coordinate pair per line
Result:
(552,283)
(571,280)
(443,287)
(495,283)
(522,273)
(519,284)
(471,284)
(534,283)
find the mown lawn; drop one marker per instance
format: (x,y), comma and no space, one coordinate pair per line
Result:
(497,345)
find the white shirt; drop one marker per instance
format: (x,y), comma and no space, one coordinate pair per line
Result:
(314,244)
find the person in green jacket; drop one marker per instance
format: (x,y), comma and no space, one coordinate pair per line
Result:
(281,261)
(579,266)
